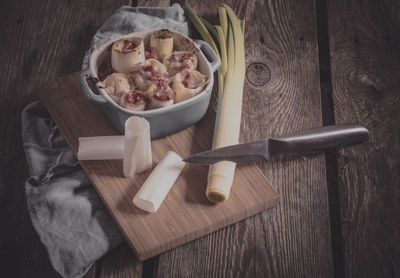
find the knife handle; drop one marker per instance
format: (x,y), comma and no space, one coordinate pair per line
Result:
(319,139)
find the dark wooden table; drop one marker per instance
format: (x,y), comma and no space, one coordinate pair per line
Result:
(309,63)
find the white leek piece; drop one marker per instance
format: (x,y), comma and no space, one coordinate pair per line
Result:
(101,147)
(137,151)
(125,53)
(162,41)
(158,184)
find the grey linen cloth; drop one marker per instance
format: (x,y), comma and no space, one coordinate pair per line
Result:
(68,215)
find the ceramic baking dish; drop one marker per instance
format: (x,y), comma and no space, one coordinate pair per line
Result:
(163,121)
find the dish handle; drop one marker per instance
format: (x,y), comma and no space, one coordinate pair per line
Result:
(209,53)
(98,99)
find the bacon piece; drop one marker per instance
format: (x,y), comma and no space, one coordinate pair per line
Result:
(136,97)
(151,53)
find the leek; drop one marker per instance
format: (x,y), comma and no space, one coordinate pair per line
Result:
(231,81)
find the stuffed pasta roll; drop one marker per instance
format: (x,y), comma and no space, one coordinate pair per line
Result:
(160,94)
(147,72)
(180,60)
(187,84)
(117,84)
(135,100)
(125,53)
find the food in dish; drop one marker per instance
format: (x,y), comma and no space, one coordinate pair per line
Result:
(180,60)
(134,101)
(116,85)
(145,73)
(162,42)
(126,53)
(187,84)
(160,94)
(158,75)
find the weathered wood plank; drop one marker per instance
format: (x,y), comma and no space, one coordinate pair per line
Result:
(41,40)
(282,95)
(365,47)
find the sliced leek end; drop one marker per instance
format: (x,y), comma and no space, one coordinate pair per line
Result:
(218,189)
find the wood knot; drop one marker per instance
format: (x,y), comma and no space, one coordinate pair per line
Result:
(258,74)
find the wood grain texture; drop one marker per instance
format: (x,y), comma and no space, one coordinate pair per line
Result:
(365,47)
(40,41)
(282,95)
(185,213)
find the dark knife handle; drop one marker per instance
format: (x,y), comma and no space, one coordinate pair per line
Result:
(319,139)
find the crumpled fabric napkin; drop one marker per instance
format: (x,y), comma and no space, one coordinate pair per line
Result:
(68,215)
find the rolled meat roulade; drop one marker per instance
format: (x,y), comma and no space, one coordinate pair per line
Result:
(147,72)
(160,94)
(135,100)
(125,53)
(116,85)
(187,84)
(180,60)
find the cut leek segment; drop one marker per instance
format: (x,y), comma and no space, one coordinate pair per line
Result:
(127,52)
(163,42)
(158,184)
(137,151)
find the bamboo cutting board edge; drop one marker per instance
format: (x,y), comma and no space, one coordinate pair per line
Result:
(202,231)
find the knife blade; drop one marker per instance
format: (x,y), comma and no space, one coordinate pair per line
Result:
(307,141)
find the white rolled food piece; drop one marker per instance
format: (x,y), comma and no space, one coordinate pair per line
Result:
(101,147)
(160,94)
(187,84)
(137,150)
(116,85)
(135,100)
(127,52)
(147,72)
(158,184)
(162,41)
(180,60)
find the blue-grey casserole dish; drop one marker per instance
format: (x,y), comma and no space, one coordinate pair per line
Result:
(163,121)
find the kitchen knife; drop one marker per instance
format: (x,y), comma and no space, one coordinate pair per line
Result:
(307,141)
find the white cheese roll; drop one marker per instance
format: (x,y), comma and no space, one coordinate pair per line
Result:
(127,52)
(180,60)
(116,85)
(160,94)
(147,72)
(187,84)
(135,100)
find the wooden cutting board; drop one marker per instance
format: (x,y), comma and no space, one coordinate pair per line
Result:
(185,214)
